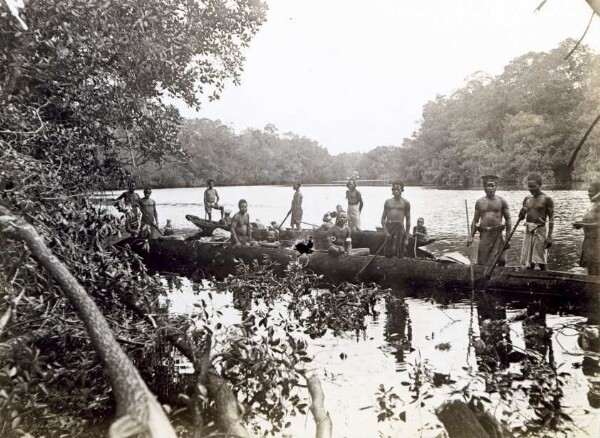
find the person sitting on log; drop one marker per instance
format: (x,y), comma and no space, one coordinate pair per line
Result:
(339,238)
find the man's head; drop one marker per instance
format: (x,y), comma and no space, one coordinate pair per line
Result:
(271,236)
(351,184)
(243,206)
(534,183)
(147,192)
(594,189)
(227,212)
(131,186)
(211,183)
(489,185)
(397,188)
(340,220)
(326,217)
(296,185)
(421,221)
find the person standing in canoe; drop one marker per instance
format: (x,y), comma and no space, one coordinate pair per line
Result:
(149,215)
(396,212)
(211,200)
(590,250)
(240,226)
(296,210)
(132,213)
(355,205)
(538,211)
(489,212)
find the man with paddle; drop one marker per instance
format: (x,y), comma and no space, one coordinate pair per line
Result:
(396,211)
(538,211)
(489,212)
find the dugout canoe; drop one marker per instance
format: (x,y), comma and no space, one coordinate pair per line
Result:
(197,260)
(360,239)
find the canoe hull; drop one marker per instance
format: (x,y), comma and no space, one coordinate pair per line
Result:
(197,260)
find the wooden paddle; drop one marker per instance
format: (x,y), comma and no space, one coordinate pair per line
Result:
(385,241)
(284,219)
(489,270)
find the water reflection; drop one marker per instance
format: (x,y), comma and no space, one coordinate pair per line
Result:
(398,329)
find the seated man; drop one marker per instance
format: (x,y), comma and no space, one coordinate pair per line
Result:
(225,221)
(339,238)
(272,240)
(240,226)
(327,224)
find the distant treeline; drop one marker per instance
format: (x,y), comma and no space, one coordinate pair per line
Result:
(529,118)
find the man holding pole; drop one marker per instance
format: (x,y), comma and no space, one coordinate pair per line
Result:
(489,212)
(538,211)
(396,211)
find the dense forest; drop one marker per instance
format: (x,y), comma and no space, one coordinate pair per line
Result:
(529,118)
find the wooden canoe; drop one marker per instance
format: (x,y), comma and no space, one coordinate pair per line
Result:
(196,259)
(360,239)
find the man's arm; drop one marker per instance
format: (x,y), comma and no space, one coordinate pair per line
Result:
(506,214)
(407,218)
(155,212)
(216,197)
(523,212)
(233,227)
(383,217)
(550,215)
(360,202)
(475,221)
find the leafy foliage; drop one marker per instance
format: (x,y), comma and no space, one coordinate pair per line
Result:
(81,108)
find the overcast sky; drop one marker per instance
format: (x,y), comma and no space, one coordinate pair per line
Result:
(354,75)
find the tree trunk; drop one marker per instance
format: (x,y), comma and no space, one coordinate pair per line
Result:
(136,405)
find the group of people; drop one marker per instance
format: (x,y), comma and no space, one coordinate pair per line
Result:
(538,213)
(491,220)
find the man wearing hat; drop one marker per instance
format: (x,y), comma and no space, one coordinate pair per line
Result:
(489,212)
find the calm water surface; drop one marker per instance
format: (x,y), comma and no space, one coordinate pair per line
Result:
(408,330)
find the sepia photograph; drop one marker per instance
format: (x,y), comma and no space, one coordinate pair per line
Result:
(299,218)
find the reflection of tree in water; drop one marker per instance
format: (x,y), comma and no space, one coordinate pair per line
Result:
(398,329)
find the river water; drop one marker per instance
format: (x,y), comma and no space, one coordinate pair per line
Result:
(408,331)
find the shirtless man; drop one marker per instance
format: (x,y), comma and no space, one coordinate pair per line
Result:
(211,200)
(590,250)
(396,211)
(240,226)
(489,212)
(339,239)
(132,213)
(149,215)
(538,210)
(296,209)
(355,205)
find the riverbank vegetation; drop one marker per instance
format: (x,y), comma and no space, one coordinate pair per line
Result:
(530,117)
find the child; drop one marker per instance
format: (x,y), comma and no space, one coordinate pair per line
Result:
(420,232)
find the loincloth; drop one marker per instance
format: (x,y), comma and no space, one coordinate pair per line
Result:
(534,245)
(353,217)
(491,243)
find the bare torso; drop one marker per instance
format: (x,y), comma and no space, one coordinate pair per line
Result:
(396,210)
(490,211)
(539,208)
(241,224)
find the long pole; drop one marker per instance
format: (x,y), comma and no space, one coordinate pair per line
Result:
(470,243)
(377,252)
(286,216)
(489,271)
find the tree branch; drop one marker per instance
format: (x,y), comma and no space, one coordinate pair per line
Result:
(136,405)
(580,39)
(581,142)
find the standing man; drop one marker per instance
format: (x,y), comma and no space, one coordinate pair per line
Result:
(131,199)
(355,205)
(489,212)
(396,211)
(538,210)
(296,209)
(590,250)
(149,215)
(211,200)
(240,226)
